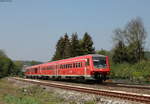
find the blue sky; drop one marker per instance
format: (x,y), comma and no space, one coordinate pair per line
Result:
(29,29)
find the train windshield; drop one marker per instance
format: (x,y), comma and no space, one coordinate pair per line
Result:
(99,62)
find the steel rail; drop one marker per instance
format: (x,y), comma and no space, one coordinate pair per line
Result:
(144,98)
(127,85)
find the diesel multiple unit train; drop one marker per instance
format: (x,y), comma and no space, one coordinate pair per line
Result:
(90,67)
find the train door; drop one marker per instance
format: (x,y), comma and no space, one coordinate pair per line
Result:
(86,66)
(56,70)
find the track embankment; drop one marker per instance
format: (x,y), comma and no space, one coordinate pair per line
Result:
(143,98)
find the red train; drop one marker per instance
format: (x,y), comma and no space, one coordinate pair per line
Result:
(92,66)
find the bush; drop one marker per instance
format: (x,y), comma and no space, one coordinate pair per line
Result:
(139,72)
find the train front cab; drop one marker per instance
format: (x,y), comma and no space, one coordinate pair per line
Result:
(100,66)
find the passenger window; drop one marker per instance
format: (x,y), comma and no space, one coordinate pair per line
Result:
(74,65)
(87,62)
(81,64)
(70,65)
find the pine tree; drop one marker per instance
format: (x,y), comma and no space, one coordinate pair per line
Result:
(87,45)
(59,49)
(75,45)
(67,47)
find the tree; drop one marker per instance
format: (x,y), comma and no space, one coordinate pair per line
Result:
(75,45)
(120,53)
(129,42)
(62,48)
(6,66)
(103,52)
(18,68)
(59,49)
(34,62)
(2,53)
(120,50)
(67,47)
(87,44)
(135,34)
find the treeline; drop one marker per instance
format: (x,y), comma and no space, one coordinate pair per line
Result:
(9,67)
(70,47)
(129,59)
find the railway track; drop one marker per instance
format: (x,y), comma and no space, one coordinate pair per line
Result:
(127,85)
(109,84)
(143,98)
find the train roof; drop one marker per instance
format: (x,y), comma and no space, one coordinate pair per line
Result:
(94,55)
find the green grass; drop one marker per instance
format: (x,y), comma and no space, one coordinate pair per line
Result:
(10,93)
(138,73)
(10,99)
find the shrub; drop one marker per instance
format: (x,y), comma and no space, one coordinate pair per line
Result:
(139,72)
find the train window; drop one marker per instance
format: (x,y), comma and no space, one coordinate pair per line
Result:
(99,62)
(67,66)
(70,65)
(81,64)
(73,65)
(76,65)
(87,62)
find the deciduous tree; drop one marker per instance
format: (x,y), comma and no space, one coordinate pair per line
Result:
(129,42)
